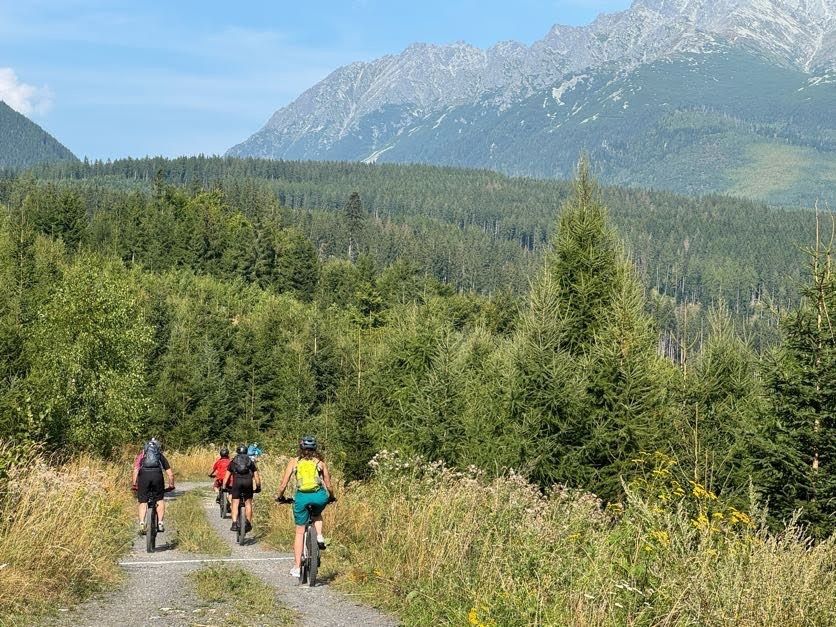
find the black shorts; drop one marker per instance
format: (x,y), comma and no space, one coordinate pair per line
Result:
(242,487)
(148,483)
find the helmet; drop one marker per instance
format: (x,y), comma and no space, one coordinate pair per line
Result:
(224,452)
(153,442)
(241,450)
(307,443)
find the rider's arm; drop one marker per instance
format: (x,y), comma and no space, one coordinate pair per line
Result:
(170,474)
(256,479)
(291,465)
(227,475)
(326,478)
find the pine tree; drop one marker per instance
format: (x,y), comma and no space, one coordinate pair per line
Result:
(799,467)
(354,220)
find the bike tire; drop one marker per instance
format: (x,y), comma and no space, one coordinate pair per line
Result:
(303,566)
(313,557)
(223,504)
(150,528)
(242,523)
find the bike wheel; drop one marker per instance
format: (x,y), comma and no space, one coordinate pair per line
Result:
(313,557)
(303,567)
(242,522)
(151,528)
(223,505)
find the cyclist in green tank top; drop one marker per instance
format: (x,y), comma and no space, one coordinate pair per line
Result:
(313,487)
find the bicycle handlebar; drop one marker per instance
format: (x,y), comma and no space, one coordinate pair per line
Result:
(169,489)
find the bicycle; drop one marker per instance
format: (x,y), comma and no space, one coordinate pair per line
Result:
(311,558)
(223,502)
(241,534)
(151,522)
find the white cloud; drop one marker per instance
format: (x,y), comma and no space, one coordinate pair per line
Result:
(23,98)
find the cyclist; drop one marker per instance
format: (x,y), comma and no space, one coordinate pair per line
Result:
(219,471)
(243,474)
(254,451)
(313,487)
(148,479)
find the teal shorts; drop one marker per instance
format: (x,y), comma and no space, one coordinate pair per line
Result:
(318,498)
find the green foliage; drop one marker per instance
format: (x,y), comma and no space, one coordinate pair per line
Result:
(87,387)
(23,143)
(800,458)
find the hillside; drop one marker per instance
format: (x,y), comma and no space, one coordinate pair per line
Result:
(682,95)
(23,143)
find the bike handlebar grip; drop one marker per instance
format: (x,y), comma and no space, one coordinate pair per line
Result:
(170,488)
(257,490)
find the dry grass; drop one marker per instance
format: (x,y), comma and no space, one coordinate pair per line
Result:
(194,533)
(193,464)
(61,533)
(242,597)
(441,547)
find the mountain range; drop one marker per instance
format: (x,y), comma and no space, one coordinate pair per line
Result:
(23,143)
(696,96)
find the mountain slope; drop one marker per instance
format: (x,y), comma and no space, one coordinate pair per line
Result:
(764,70)
(23,143)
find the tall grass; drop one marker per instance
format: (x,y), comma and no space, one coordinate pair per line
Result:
(62,530)
(194,532)
(442,547)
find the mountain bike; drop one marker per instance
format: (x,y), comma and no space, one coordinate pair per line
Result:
(310,547)
(223,502)
(151,522)
(242,517)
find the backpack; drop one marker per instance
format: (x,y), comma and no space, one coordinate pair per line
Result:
(241,465)
(307,475)
(151,456)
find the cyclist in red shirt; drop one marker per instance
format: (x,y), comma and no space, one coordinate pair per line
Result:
(219,471)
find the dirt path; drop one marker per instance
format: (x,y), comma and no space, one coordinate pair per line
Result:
(320,606)
(156,591)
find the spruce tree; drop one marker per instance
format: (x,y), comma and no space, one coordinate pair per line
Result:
(354,218)
(799,465)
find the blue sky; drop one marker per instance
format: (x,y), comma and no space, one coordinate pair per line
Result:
(113,78)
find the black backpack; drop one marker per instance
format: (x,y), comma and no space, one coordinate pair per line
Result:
(151,458)
(241,465)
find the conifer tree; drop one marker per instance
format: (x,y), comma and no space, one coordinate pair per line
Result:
(799,467)
(354,218)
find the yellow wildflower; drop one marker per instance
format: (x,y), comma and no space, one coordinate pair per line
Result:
(473,616)
(661,537)
(701,492)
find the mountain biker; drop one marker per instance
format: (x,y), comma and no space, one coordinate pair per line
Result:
(313,487)
(148,480)
(246,479)
(219,471)
(254,451)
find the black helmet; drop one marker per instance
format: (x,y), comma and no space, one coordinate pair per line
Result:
(242,449)
(224,451)
(307,443)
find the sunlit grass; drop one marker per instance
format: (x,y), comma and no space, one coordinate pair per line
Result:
(62,532)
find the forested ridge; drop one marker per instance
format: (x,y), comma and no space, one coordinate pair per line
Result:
(209,312)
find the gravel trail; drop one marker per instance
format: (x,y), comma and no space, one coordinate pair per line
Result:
(320,606)
(156,592)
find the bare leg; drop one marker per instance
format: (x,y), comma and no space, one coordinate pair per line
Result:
(143,508)
(317,522)
(297,544)
(248,508)
(161,510)
(234,511)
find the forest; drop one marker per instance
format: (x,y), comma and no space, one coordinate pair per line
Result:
(461,316)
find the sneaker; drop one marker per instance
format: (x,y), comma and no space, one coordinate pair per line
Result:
(142,529)
(249,527)
(234,527)
(294,572)
(320,540)
(160,528)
